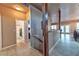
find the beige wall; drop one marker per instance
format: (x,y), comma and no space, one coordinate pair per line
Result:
(6,11)
(9,25)
(8,31)
(0,34)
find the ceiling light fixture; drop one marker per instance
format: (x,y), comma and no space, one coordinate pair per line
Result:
(17,8)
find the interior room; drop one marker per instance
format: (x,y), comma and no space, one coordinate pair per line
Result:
(14,30)
(43,29)
(63,22)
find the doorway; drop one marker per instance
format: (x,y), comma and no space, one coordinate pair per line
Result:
(19,31)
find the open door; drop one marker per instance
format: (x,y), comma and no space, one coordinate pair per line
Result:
(36,37)
(39,29)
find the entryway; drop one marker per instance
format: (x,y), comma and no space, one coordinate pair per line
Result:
(19,31)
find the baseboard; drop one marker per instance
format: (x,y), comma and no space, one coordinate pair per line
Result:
(7,47)
(54,46)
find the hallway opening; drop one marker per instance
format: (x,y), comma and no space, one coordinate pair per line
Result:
(62,26)
(19,31)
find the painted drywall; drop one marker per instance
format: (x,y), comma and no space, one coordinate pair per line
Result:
(0,34)
(9,31)
(53,12)
(13,13)
(8,18)
(68,11)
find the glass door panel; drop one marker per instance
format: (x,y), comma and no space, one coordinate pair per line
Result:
(77,26)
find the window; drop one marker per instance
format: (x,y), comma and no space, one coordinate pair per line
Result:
(62,28)
(53,27)
(67,28)
(65,34)
(77,26)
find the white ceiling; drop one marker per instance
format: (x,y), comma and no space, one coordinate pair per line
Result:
(53,11)
(69,11)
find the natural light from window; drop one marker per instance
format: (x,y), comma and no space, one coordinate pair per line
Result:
(53,27)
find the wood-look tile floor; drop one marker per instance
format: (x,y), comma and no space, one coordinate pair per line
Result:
(20,49)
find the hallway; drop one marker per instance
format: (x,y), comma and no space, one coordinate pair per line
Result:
(66,47)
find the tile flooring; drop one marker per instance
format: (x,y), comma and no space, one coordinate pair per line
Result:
(20,49)
(66,47)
